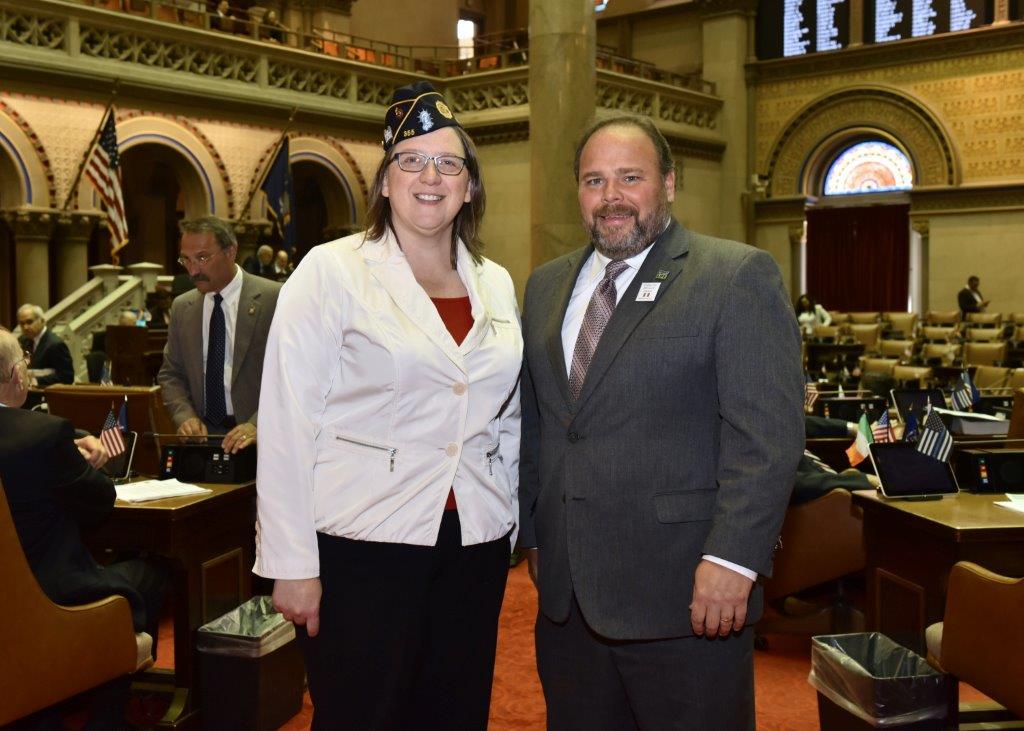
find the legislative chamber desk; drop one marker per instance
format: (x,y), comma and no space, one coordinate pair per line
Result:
(911,547)
(209,540)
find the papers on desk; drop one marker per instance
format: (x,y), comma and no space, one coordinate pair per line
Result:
(1016,502)
(145,490)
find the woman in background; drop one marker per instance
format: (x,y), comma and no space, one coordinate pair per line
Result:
(810,314)
(387,478)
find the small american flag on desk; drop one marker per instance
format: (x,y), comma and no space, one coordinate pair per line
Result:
(112,433)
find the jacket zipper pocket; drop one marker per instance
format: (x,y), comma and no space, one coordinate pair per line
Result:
(389,451)
(492,455)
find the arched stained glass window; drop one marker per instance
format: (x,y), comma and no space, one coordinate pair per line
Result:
(869,167)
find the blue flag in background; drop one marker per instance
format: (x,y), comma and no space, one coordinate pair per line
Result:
(277,186)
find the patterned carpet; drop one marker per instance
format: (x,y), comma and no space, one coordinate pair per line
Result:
(785,701)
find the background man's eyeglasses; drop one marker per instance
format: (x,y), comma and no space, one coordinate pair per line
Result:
(414,162)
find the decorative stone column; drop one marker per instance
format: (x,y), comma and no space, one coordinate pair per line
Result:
(562,79)
(32,233)
(72,244)
(727,41)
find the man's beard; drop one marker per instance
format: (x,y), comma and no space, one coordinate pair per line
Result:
(630,243)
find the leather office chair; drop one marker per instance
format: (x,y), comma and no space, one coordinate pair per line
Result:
(981,638)
(878,365)
(938,334)
(827,331)
(1017,378)
(868,335)
(1018,335)
(983,334)
(991,377)
(839,318)
(865,318)
(942,317)
(822,542)
(912,375)
(945,352)
(903,349)
(54,652)
(985,319)
(984,353)
(901,324)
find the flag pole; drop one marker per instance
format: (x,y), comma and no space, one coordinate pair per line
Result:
(89,149)
(270,161)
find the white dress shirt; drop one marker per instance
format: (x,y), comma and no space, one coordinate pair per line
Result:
(231,293)
(370,412)
(590,276)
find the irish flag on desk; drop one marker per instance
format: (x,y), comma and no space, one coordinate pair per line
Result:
(858,451)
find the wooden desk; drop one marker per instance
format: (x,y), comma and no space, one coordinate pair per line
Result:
(911,547)
(832,355)
(209,540)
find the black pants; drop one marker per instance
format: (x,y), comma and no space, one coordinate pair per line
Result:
(592,683)
(407,633)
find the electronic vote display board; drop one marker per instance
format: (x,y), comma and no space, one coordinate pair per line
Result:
(798,27)
(897,20)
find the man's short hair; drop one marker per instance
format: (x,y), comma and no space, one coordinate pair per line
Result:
(222,232)
(644,124)
(973,278)
(265,249)
(36,310)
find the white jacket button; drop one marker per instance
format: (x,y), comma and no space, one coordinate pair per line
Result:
(459,388)
(451,450)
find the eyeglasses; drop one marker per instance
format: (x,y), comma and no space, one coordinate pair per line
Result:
(200,260)
(414,162)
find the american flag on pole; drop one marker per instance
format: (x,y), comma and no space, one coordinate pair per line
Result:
(881,430)
(810,395)
(935,441)
(965,395)
(111,434)
(103,168)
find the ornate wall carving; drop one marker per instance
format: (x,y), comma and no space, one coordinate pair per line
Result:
(37,164)
(977,95)
(826,118)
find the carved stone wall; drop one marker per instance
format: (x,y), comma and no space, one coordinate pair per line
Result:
(973,94)
(884,110)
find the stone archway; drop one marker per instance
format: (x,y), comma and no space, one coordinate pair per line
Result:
(816,131)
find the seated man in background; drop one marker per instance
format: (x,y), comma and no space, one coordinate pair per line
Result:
(55,490)
(261,263)
(51,359)
(282,267)
(213,360)
(814,478)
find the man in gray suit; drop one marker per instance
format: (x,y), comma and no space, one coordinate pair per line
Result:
(213,360)
(662,426)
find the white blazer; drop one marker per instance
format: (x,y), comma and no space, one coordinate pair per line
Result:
(369,411)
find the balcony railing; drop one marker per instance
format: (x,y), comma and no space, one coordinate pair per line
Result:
(492,52)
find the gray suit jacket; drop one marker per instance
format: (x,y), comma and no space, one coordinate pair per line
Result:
(182,376)
(684,440)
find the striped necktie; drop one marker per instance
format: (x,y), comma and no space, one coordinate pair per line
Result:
(595,319)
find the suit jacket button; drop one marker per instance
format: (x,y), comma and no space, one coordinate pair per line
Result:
(563,497)
(573,437)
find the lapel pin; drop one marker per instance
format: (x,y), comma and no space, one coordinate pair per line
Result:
(662,274)
(252,309)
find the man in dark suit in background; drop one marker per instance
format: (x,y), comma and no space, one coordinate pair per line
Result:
(970,299)
(51,359)
(55,490)
(228,315)
(662,424)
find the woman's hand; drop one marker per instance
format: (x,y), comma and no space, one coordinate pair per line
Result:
(299,601)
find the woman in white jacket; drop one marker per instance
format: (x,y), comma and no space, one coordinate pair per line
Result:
(389,443)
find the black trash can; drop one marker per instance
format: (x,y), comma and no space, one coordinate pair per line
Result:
(866,680)
(251,673)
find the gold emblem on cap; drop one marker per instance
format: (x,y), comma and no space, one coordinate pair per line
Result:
(444,110)
(399,112)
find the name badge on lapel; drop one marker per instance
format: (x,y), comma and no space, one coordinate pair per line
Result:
(648,291)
